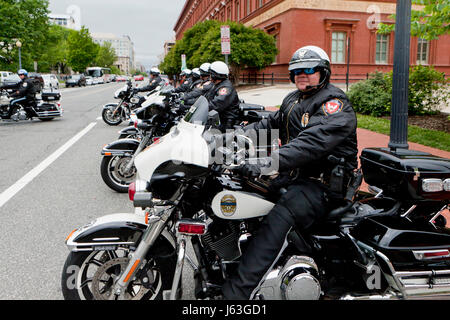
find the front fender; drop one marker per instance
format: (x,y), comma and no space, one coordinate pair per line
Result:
(121,147)
(108,105)
(111,231)
(128,130)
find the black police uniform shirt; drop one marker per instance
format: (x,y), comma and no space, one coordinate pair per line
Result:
(185,86)
(312,128)
(224,99)
(199,89)
(26,89)
(156,81)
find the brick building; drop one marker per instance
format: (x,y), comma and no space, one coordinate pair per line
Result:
(345,29)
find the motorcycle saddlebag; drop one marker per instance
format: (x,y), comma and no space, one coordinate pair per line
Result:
(401,173)
(51,95)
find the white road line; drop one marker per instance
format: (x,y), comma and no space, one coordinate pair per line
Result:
(26,179)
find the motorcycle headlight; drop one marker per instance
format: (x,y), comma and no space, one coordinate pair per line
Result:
(134,100)
(432,185)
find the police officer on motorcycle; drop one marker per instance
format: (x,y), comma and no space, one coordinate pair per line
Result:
(315,121)
(186,81)
(155,81)
(25,94)
(200,87)
(223,97)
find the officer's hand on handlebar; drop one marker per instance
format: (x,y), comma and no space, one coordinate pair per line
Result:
(254,170)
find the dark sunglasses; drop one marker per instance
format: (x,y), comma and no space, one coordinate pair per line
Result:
(307,71)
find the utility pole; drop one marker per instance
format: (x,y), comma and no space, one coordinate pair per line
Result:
(399,111)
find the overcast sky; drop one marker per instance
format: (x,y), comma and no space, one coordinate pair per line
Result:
(149,23)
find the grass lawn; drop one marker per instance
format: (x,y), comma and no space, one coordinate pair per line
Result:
(432,138)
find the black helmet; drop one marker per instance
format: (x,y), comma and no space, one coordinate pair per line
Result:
(311,57)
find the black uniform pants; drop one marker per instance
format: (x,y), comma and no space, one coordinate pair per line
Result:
(304,204)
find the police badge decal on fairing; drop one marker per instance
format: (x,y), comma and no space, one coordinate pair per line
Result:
(228,205)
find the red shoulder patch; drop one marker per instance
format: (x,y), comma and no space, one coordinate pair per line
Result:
(223,91)
(332,106)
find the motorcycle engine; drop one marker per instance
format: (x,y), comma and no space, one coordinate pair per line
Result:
(297,279)
(222,238)
(19,115)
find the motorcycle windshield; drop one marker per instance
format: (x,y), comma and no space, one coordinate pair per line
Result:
(116,94)
(198,113)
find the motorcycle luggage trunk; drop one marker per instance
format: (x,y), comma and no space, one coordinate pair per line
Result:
(401,241)
(400,174)
(51,96)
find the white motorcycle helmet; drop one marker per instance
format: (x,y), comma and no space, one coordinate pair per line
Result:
(204,69)
(196,73)
(186,72)
(219,70)
(155,71)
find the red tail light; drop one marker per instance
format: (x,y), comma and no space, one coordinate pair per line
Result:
(131,191)
(432,254)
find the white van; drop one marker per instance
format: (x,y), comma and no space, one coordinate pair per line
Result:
(3,75)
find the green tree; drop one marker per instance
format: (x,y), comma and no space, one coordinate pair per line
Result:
(106,56)
(250,47)
(429,23)
(56,54)
(27,21)
(82,49)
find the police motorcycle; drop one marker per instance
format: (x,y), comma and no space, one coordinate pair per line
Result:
(46,107)
(153,120)
(114,114)
(390,243)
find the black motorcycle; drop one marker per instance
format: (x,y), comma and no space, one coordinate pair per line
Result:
(117,166)
(114,114)
(392,244)
(149,123)
(45,108)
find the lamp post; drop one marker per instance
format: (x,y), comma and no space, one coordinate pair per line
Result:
(400,81)
(19,45)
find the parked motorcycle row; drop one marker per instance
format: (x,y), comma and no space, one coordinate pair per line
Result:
(389,243)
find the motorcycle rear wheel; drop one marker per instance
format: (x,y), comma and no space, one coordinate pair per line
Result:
(109,118)
(111,169)
(90,276)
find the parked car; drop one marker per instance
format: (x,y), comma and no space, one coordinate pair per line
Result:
(37,80)
(50,81)
(89,81)
(121,79)
(139,78)
(94,80)
(12,79)
(100,80)
(4,75)
(76,80)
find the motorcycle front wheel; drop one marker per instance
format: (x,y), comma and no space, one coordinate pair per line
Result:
(110,118)
(112,169)
(91,276)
